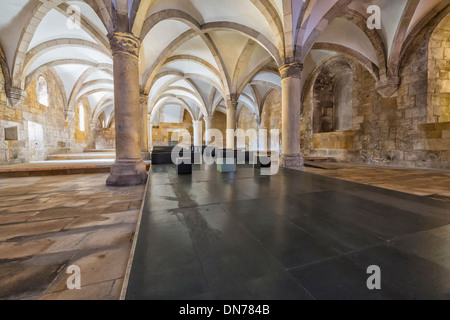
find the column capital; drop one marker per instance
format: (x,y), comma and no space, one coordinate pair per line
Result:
(144,98)
(124,43)
(388,86)
(232,103)
(258,119)
(15,96)
(208,119)
(93,123)
(69,115)
(291,70)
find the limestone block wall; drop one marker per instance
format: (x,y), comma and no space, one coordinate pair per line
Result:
(439,73)
(105,138)
(13,151)
(395,131)
(271,115)
(219,122)
(161,134)
(41,130)
(332,144)
(432,146)
(246,121)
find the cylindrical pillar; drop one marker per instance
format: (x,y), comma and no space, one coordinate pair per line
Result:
(91,143)
(208,126)
(145,154)
(231,123)
(197,133)
(291,108)
(128,168)
(255,144)
(150,133)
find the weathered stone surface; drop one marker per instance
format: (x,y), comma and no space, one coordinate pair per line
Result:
(408,129)
(52,120)
(81,221)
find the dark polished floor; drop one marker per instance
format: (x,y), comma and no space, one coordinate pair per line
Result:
(290,236)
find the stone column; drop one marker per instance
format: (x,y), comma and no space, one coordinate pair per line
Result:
(145,154)
(197,133)
(231,123)
(208,126)
(150,133)
(92,135)
(291,102)
(128,169)
(258,127)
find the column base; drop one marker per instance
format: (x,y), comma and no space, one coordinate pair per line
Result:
(127,173)
(293,161)
(145,155)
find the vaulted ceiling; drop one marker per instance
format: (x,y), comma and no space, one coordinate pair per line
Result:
(197,54)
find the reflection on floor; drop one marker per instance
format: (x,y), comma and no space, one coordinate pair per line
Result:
(290,236)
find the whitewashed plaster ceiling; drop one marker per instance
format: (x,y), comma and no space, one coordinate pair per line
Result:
(197,54)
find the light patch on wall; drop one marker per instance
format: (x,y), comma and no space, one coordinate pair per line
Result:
(42,91)
(82,121)
(171,114)
(446,86)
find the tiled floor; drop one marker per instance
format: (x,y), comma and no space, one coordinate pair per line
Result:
(50,223)
(290,236)
(428,183)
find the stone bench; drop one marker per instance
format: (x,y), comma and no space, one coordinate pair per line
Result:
(161,158)
(226,165)
(262,162)
(184,166)
(163,155)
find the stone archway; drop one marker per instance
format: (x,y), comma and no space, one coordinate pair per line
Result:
(333,90)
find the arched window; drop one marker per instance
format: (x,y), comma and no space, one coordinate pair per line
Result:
(42,91)
(333,96)
(82,122)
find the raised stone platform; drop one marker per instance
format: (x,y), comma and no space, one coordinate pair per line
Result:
(83,156)
(52,168)
(101,150)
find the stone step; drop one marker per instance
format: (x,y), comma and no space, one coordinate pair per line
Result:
(100,150)
(82,156)
(52,168)
(319,159)
(325,165)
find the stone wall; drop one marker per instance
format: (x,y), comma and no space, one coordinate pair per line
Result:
(395,131)
(105,138)
(432,146)
(439,73)
(41,130)
(219,122)
(246,121)
(271,115)
(162,133)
